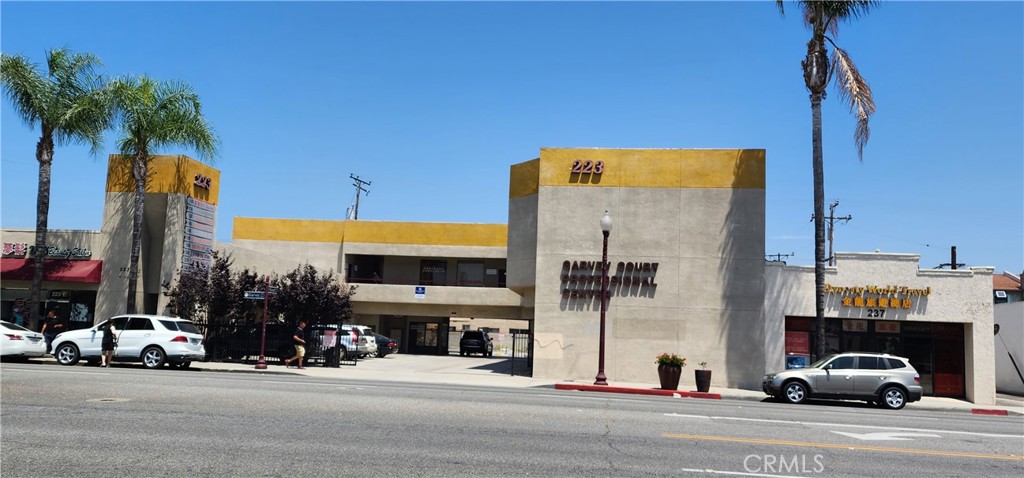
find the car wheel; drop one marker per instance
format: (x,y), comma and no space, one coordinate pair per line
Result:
(462,353)
(893,398)
(153,357)
(794,392)
(67,354)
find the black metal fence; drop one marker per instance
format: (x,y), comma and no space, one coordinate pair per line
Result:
(241,342)
(521,361)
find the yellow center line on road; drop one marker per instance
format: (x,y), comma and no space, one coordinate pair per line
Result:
(845,447)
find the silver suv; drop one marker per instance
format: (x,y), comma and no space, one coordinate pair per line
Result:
(880,379)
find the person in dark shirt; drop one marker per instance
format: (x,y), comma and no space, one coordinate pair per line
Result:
(108,344)
(51,327)
(299,337)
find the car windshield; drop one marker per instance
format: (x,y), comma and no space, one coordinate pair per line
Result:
(476,335)
(821,361)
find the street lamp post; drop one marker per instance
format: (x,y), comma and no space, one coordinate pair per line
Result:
(606,229)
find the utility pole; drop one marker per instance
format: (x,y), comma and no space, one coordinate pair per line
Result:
(359,189)
(831,224)
(953,264)
(778,257)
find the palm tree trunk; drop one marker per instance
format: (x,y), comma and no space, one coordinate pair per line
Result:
(44,154)
(819,225)
(140,164)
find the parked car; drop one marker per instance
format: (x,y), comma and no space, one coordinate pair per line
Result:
(476,341)
(17,341)
(353,344)
(385,345)
(371,339)
(151,339)
(880,379)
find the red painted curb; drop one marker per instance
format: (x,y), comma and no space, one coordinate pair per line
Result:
(636,391)
(982,411)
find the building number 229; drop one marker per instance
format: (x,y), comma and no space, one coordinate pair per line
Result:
(587,167)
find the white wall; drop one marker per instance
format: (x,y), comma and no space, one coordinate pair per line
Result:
(1010,341)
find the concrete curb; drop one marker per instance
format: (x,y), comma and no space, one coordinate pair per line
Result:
(636,391)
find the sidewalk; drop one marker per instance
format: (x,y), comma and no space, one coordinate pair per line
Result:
(494,372)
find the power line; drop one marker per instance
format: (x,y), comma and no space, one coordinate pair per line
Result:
(778,257)
(359,189)
(831,218)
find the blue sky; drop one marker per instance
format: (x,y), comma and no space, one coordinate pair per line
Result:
(433,102)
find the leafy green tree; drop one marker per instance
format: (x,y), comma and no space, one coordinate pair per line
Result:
(68,104)
(823,18)
(155,115)
(307,294)
(191,296)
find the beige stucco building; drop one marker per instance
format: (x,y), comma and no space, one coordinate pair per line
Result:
(685,256)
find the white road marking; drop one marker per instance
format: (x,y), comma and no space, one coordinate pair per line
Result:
(735,473)
(885,436)
(844,425)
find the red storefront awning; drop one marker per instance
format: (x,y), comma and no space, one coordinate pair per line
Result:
(57,270)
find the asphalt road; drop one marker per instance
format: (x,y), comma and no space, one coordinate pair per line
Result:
(129,421)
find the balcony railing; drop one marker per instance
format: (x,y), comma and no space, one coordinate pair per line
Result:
(447,283)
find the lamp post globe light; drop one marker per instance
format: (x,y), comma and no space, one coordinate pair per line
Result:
(606,230)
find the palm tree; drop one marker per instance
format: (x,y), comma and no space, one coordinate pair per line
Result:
(69,105)
(155,115)
(823,17)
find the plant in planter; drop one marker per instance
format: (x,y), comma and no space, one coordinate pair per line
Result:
(670,366)
(702,377)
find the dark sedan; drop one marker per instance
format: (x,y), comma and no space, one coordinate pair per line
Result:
(385,345)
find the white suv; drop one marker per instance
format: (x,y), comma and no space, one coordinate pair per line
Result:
(371,339)
(151,339)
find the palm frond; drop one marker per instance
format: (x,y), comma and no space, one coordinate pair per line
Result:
(856,91)
(24,86)
(157,115)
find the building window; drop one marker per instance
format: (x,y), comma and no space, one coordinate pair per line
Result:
(471,273)
(433,272)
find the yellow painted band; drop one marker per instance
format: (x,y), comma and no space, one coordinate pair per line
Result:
(168,174)
(765,441)
(647,168)
(523,179)
(372,232)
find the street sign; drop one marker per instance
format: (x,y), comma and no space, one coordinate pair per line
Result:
(254,294)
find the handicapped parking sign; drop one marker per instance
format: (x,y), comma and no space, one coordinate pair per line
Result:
(421,292)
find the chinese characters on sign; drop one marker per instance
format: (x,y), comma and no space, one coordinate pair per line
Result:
(878,297)
(21,249)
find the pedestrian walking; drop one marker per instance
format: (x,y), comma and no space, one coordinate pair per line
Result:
(51,327)
(299,337)
(108,344)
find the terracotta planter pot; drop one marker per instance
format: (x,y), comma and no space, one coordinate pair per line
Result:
(669,376)
(703,379)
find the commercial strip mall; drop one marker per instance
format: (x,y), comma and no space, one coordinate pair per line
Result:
(687,266)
